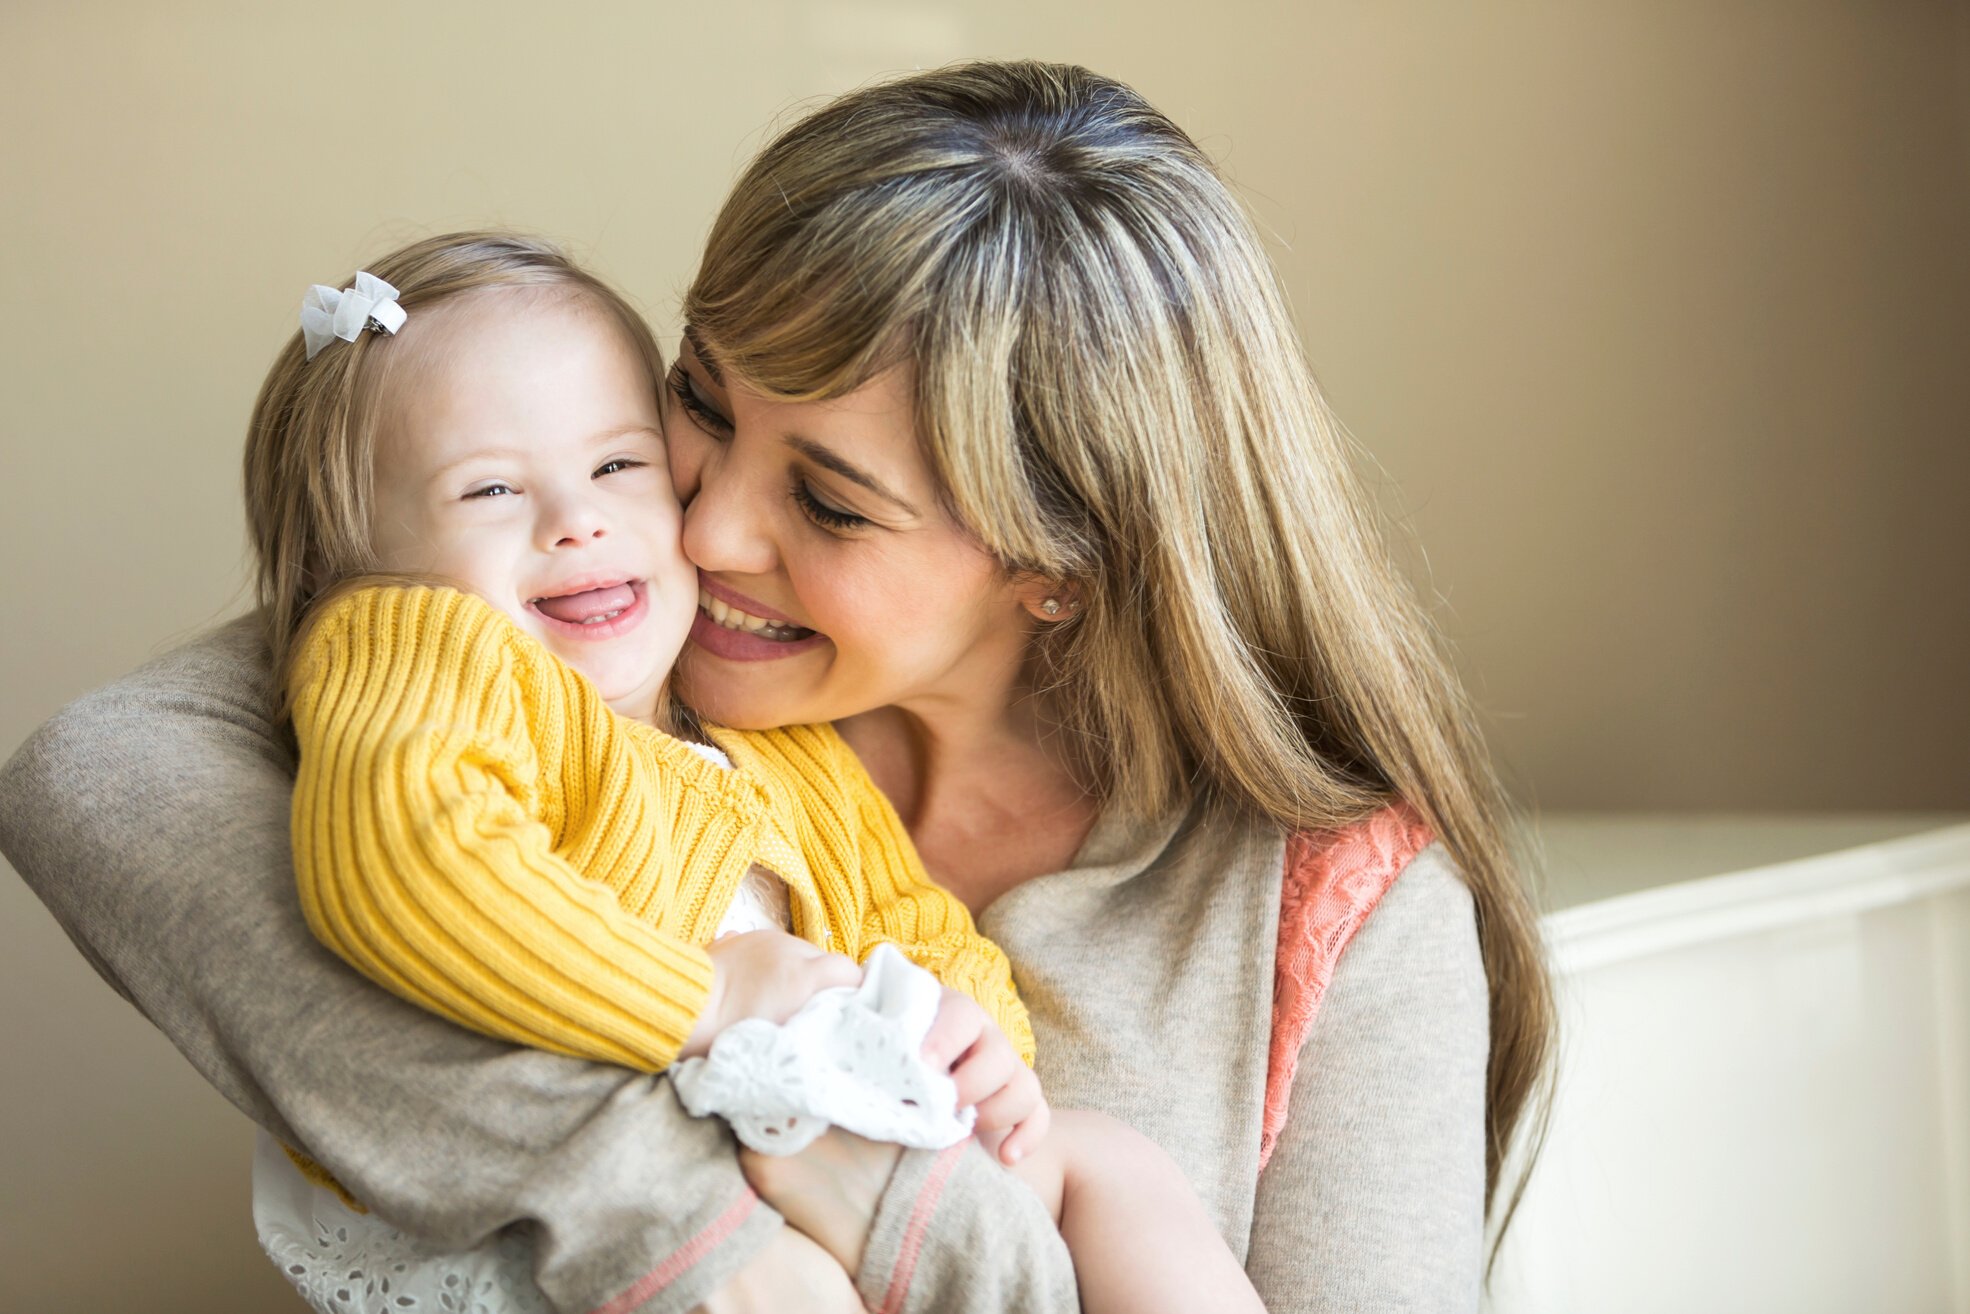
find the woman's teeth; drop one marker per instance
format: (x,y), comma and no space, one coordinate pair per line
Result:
(733,619)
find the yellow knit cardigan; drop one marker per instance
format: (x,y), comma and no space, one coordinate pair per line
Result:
(475,830)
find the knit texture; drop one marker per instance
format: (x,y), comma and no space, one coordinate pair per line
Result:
(475,830)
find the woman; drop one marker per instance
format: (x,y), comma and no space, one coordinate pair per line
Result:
(999,452)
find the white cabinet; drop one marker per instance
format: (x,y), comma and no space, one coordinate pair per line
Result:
(1764,1099)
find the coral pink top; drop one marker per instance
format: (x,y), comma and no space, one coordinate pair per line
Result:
(1334,879)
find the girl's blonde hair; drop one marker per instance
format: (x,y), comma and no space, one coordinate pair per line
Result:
(1110,387)
(311,445)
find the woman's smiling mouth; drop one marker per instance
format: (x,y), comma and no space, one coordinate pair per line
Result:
(730,625)
(731,618)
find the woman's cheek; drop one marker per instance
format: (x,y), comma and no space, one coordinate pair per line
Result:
(685,454)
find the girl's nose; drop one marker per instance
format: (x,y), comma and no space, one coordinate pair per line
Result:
(571,522)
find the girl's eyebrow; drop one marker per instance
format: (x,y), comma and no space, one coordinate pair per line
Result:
(829,460)
(595,439)
(626,431)
(480,454)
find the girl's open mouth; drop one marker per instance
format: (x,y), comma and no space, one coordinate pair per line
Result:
(600,610)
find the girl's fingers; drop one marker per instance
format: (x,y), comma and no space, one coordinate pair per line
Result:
(1006,1107)
(985,1074)
(1020,1141)
(960,1021)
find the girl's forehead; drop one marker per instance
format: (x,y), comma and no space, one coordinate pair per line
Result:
(516,374)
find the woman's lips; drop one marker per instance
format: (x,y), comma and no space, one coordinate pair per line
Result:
(762,643)
(738,628)
(731,597)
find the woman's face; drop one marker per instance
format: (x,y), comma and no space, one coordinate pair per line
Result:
(832,581)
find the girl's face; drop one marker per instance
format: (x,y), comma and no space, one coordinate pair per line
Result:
(832,581)
(522,457)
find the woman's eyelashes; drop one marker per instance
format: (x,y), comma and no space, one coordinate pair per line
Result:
(685,388)
(824,514)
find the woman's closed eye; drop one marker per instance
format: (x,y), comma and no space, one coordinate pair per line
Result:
(825,514)
(695,403)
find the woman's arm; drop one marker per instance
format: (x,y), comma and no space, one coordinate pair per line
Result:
(152,818)
(1374,1196)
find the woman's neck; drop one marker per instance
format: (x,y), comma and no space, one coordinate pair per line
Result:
(987,803)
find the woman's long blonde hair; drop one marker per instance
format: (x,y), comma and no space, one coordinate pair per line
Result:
(1111,390)
(311,444)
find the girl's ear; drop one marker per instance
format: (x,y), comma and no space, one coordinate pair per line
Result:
(1048,600)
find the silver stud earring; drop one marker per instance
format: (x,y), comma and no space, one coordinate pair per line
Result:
(1051,606)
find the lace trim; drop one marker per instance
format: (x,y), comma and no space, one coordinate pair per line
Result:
(343,1262)
(1334,879)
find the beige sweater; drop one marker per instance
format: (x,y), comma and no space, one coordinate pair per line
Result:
(151,818)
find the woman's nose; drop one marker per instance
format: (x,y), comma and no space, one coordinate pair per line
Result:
(727,515)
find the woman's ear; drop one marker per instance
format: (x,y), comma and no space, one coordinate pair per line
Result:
(1046,599)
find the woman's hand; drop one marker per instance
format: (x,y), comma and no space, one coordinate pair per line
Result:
(989,1075)
(767,974)
(790,1273)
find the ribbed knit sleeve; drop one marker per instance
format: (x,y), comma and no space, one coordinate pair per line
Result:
(870,876)
(441,753)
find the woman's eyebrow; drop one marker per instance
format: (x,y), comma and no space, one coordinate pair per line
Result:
(704,357)
(828,460)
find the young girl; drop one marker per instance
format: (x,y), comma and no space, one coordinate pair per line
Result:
(496,816)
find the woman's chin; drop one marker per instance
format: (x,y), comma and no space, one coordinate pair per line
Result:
(743,695)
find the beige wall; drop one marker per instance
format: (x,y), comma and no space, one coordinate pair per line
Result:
(1656,317)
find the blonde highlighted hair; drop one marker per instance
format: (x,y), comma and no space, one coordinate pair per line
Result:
(1113,395)
(311,444)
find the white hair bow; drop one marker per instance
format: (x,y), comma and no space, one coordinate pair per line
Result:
(327,314)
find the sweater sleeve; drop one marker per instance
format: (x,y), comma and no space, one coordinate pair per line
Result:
(1374,1196)
(151,817)
(869,873)
(934,930)
(430,793)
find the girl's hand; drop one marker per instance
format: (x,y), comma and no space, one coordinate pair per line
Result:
(989,1074)
(767,974)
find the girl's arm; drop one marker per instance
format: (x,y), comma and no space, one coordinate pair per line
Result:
(847,824)
(1374,1196)
(152,819)
(443,760)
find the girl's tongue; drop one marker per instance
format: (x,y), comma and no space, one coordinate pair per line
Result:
(577,608)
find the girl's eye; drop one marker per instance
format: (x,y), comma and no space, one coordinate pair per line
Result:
(822,513)
(621,463)
(491,490)
(685,388)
